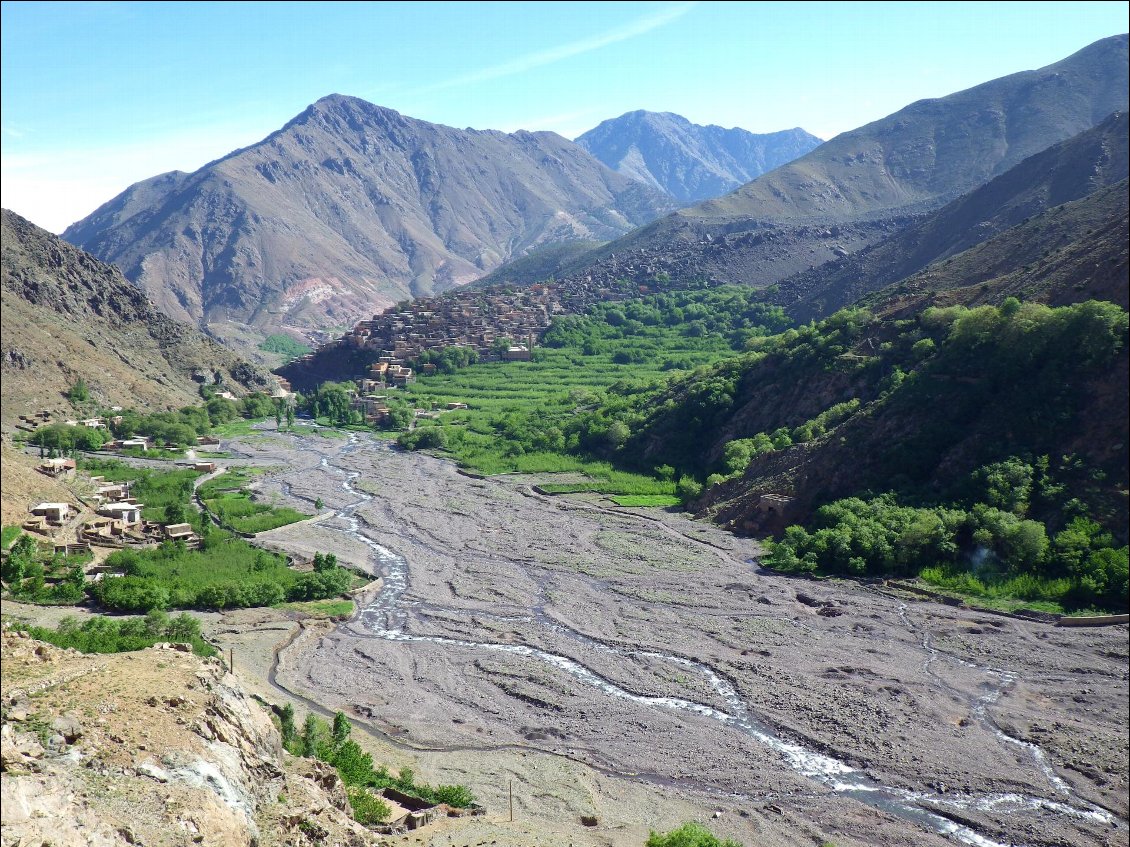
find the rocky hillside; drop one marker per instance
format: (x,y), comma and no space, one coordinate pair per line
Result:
(862,186)
(908,400)
(68,316)
(155,747)
(1073,169)
(349,208)
(689,161)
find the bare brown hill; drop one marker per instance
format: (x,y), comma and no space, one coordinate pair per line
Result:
(1092,160)
(352,207)
(67,316)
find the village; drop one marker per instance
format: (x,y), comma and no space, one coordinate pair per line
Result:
(500,323)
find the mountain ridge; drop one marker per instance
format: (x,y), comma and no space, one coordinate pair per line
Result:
(67,316)
(842,197)
(691,162)
(350,206)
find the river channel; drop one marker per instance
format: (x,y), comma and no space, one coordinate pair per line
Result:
(556,624)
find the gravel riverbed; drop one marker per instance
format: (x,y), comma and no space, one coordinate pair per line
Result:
(638,667)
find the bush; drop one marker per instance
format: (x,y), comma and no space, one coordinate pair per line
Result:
(689,835)
(368,809)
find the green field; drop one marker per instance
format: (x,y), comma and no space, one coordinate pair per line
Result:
(227,498)
(548,415)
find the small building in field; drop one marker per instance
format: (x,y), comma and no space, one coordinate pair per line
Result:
(204,467)
(179,532)
(53,513)
(128,513)
(58,467)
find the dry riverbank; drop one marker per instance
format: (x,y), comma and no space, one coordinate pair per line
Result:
(644,670)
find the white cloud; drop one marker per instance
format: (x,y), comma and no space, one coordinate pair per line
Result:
(530,61)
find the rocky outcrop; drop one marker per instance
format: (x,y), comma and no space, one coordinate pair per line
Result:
(180,754)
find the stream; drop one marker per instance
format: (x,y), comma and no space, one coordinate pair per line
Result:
(388,615)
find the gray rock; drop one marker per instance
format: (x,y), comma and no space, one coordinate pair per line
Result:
(68,726)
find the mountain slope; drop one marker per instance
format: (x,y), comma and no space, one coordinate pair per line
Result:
(351,207)
(934,397)
(1092,160)
(863,185)
(66,315)
(689,161)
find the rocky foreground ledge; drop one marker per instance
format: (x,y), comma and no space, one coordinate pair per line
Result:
(155,747)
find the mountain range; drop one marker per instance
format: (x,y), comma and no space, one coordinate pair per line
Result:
(349,208)
(863,185)
(689,161)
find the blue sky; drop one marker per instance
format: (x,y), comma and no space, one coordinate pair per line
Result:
(99,95)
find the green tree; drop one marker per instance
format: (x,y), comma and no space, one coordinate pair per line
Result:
(78,392)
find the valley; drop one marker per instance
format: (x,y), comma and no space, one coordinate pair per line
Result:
(615,656)
(671,486)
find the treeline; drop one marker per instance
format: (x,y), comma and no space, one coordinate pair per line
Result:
(989,545)
(26,571)
(332,744)
(100,634)
(225,573)
(178,428)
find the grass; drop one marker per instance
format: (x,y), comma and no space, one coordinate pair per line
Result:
(321,608)
(656,500)
(8,536)
(227,497)
(1025,590)
(237,427)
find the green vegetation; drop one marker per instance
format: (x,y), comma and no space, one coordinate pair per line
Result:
(8,536)
(653,500)
(63,439)
(227,498)
(99,634)
(78,392)
(43,576)
(225,573)
(284,345)
(332,609)
(164,494)
(551,415)
(976,549)
(331,743)
(689,835)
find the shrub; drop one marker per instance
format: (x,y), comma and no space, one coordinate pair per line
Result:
(689,835)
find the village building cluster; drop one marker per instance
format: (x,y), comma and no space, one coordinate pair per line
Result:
(500,323)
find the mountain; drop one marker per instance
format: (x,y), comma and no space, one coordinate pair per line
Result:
(68,316)
(349,208)
(912,400)
(862,186)
(1071,170)
(688,161)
